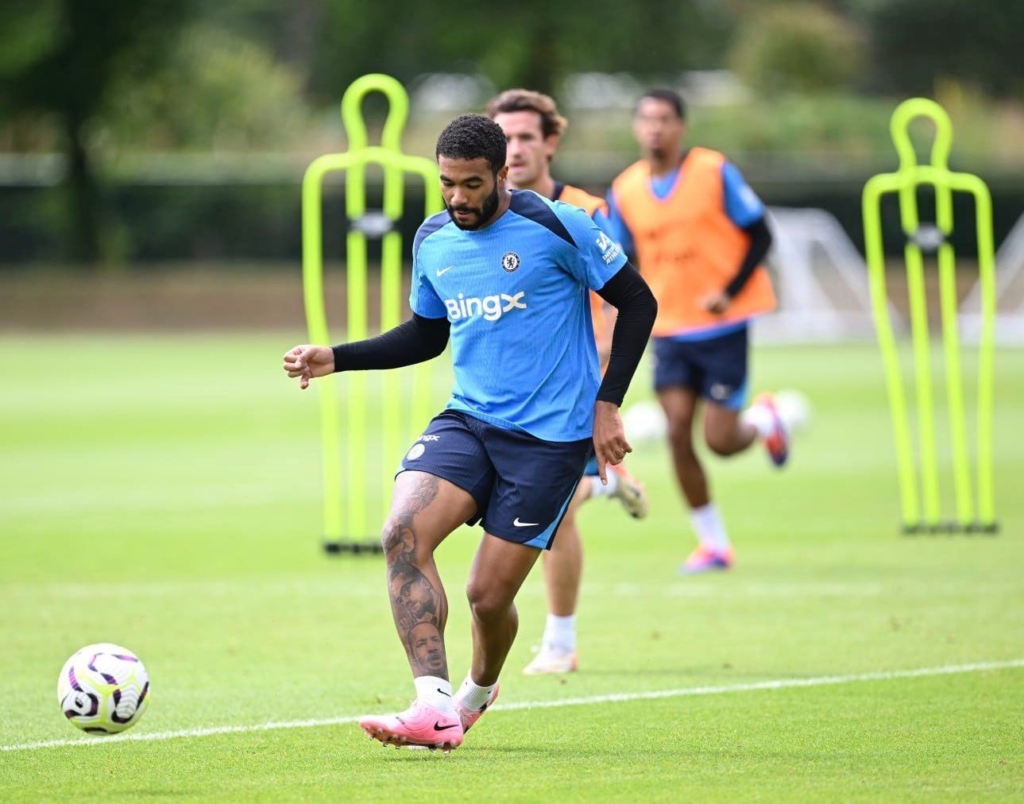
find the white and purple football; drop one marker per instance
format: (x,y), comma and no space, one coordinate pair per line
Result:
(103,688)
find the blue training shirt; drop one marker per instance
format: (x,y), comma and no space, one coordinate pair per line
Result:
(516,294)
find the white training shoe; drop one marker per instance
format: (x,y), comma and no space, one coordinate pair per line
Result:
(551,660)
(630,493)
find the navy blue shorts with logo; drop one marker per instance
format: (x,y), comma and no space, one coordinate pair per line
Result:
(522,485)
(716,367)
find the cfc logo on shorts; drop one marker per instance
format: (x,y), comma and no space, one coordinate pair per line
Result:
(491,308)
(720,392)
(417,449)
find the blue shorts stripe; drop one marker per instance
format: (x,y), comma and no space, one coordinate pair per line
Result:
(543,541)
(738,398)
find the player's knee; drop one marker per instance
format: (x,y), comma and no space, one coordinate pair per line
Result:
(721,445)
(680,432)
(486,603)
(682,447)
(393,541)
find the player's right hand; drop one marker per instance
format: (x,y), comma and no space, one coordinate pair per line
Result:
(308,361)
(610,444)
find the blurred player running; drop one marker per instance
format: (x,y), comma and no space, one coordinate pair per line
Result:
(533,128)
(699,235)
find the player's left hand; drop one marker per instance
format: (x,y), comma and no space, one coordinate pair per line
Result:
(717,303)
(610,444)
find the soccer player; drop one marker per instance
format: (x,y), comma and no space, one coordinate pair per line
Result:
(505,275)
(533,128)
(699,235)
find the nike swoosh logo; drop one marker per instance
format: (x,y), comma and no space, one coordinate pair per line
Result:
(443,271)
(519,524)
(439,727)
(445,694)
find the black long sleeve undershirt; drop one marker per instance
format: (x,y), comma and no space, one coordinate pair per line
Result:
(415,341)
(637,308)
(760,242)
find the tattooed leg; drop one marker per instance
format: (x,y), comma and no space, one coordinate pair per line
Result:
(424,510)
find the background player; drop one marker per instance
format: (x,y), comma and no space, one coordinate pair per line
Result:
(699,235)
(533,128)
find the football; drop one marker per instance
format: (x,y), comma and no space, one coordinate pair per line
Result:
(644,422)
(103,688)
(794,409)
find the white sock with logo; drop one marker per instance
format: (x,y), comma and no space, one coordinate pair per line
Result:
(560,633)
(710,528)
(599,489)
(436,692)
(471,695)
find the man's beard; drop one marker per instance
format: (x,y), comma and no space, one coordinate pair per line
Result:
(483,214)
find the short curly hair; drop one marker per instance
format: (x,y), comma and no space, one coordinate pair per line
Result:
(526,100)
(473,136)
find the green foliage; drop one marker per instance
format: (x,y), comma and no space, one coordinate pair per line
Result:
(29,30)
(534,43)
(69,70)
(63,56)
(105,78)
(217,91)
(839,127)
(917,43)
(798,47)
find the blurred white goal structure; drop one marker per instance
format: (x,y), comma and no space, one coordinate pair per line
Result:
(821,281)
(1009,261)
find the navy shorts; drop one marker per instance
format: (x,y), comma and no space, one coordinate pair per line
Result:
(522,485)
(716,368)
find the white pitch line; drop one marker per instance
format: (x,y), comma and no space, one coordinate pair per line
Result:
(778,684)
(48,593)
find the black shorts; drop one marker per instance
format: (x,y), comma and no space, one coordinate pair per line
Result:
(716,368)
(522,485)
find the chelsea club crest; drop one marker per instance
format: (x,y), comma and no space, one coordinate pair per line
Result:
(510,262)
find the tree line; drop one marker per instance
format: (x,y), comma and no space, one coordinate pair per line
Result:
(167,74)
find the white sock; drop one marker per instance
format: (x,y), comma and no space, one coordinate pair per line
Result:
(599,489)
(762,419)
(560,632)
(472,695)
(436,692)
(709,527)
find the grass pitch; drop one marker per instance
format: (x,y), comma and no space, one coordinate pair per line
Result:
(164,493)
